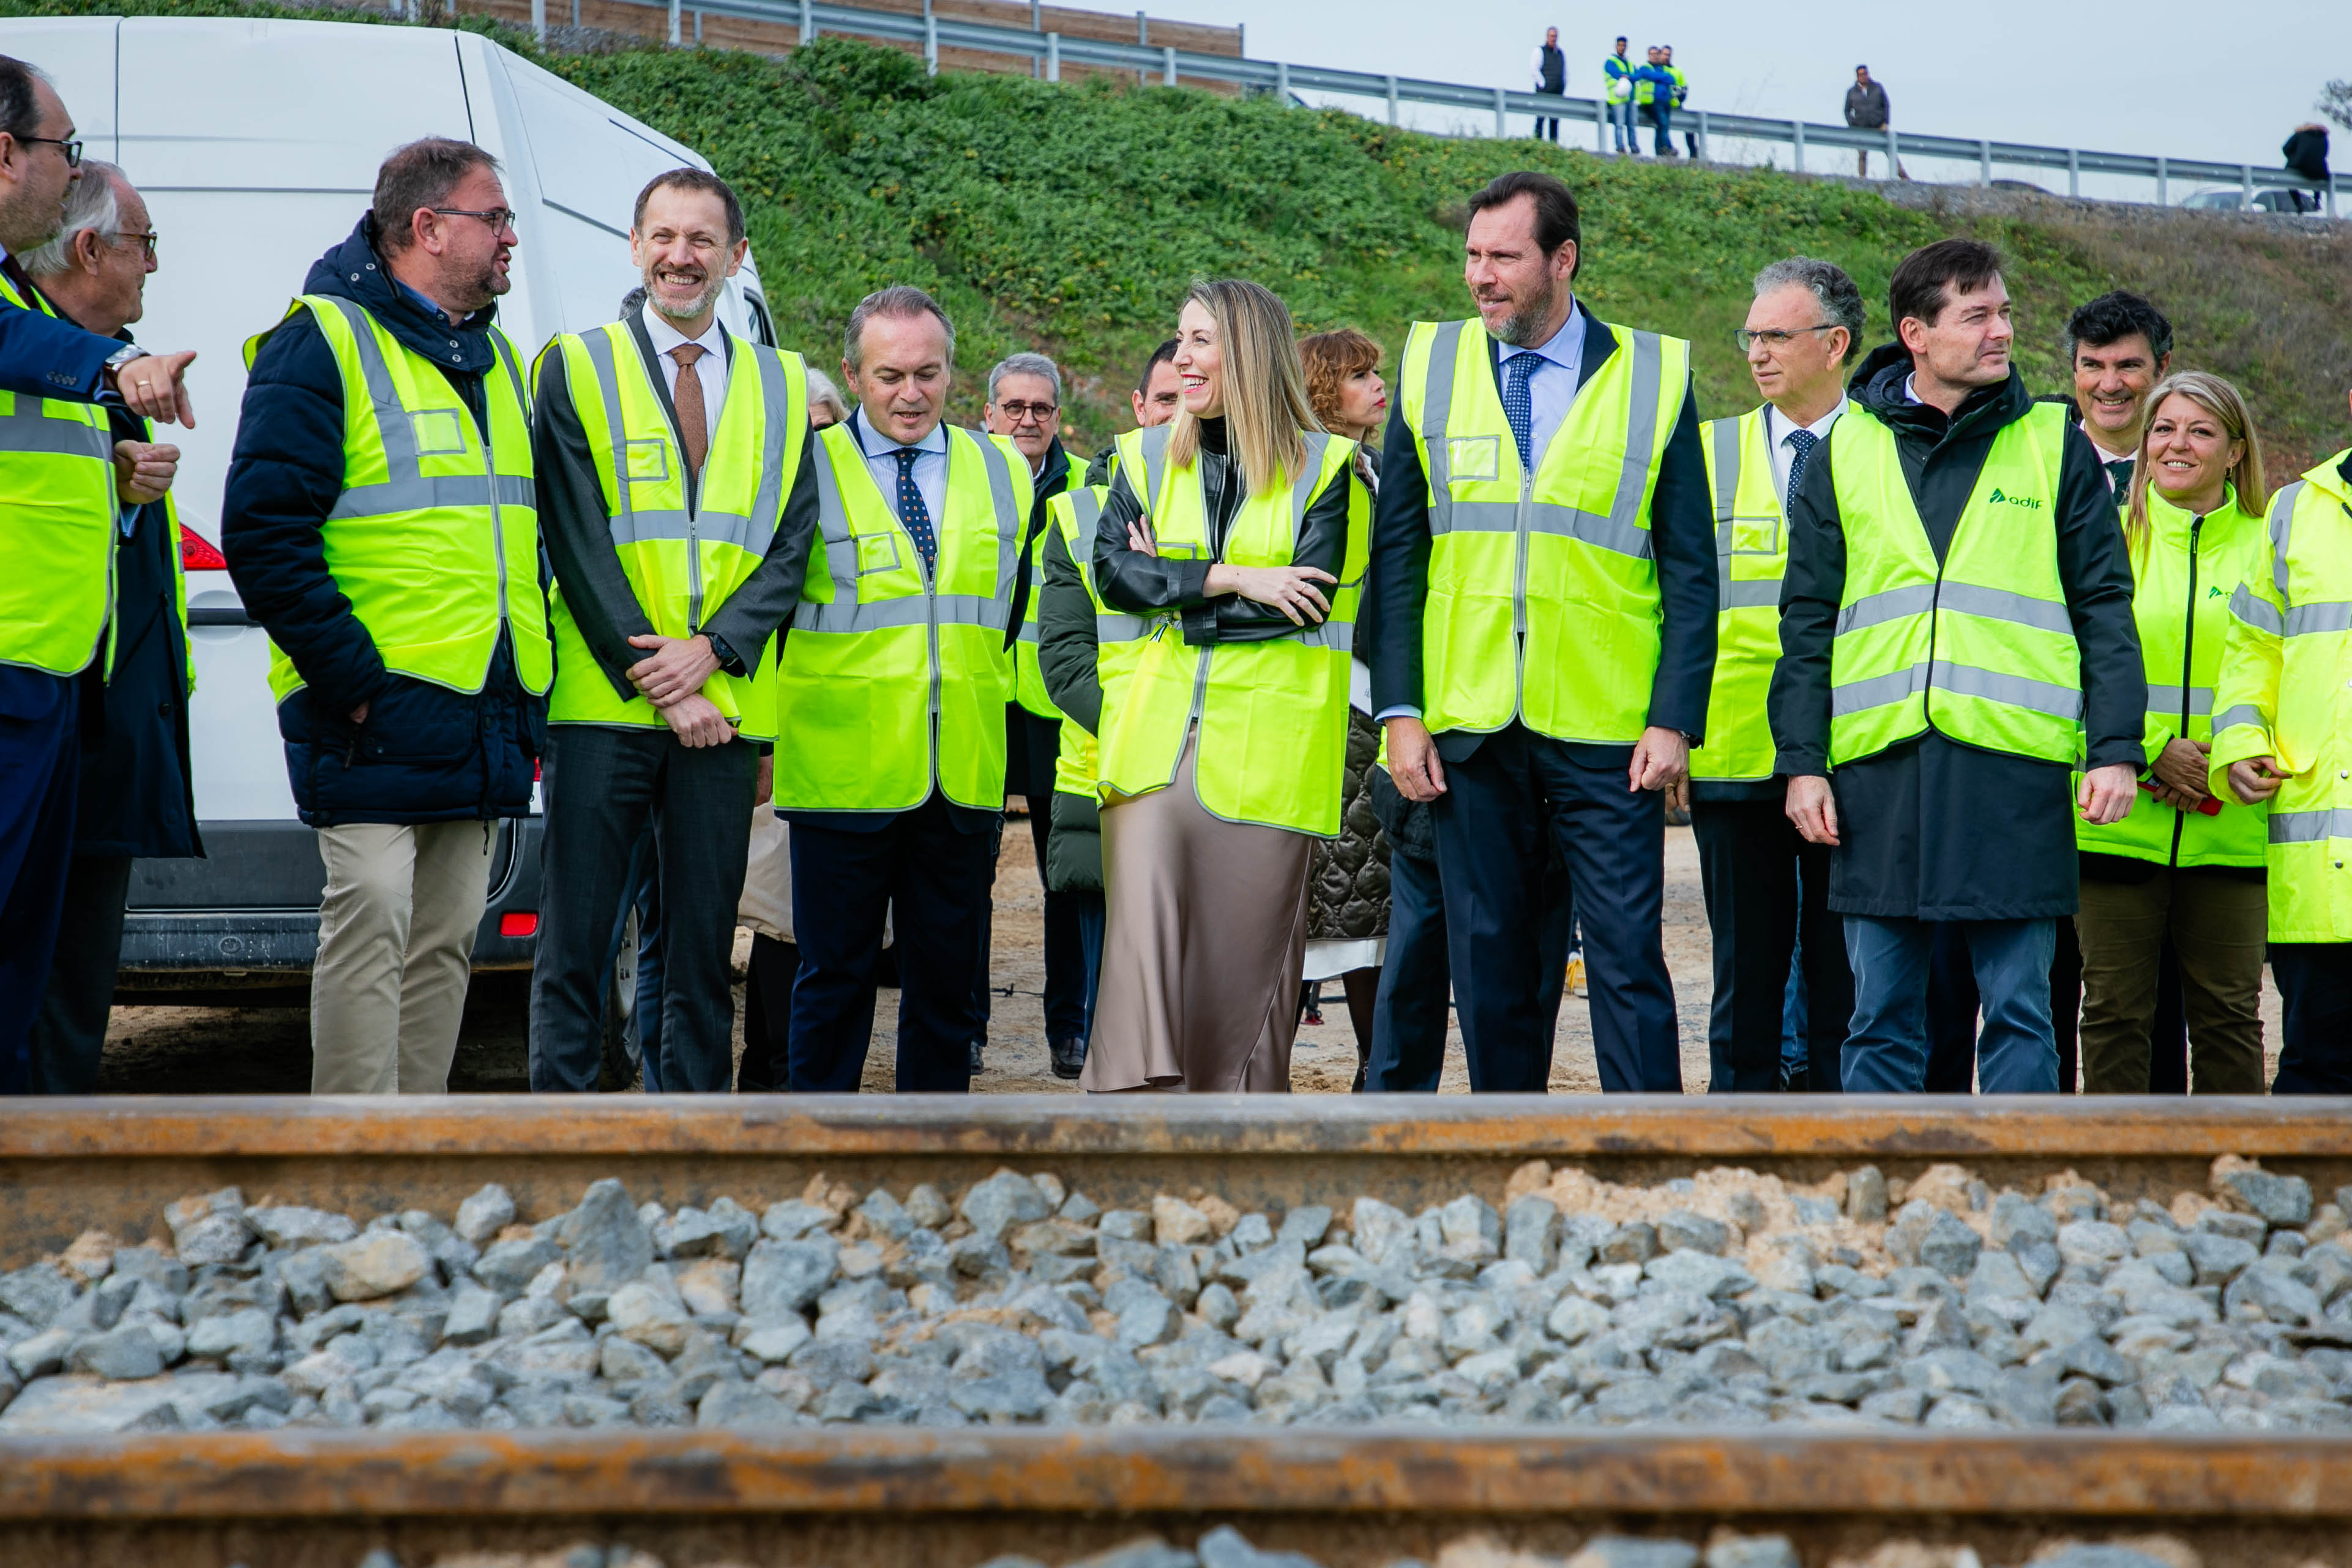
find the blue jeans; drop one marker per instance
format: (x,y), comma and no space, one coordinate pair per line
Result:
(1662,115)
(1887,1049)
(1621,124)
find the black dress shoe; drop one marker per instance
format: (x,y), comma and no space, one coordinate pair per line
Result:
(1070,1057)
(976,1063)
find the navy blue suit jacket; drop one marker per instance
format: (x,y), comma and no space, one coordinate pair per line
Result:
(43,356)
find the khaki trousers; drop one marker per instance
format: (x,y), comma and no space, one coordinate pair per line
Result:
(2218,926)
(395,949)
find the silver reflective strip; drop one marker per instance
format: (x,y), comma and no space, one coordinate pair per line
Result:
(1893,604)
(2310,620)
(2311,826)
(1961,680)
(1028,632)
(706,526)
(2282,522)
(1155,469)
(399,436)
(908,610)
(2257,612)
(1303,491)
(1641,436)
(1727,478)
(1603,533)
(1122,628)
(2243,713)
(25,431)
(514,374)
(775,391)
(1010,524)
(833,527)
(1341,637)
(623,522)
(1436,408)
(439,490)
(2164,702)
(1749,593)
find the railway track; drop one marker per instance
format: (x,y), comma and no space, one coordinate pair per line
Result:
(952,1499)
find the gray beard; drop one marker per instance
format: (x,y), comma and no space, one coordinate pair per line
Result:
(702,301)
(1521,332)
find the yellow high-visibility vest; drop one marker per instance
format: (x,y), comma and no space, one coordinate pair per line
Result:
(1751,556)
(56,490)
(1028,681)
(1119,637)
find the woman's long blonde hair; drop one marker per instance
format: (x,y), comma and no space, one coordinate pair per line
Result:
(2218,398)
(1266,411)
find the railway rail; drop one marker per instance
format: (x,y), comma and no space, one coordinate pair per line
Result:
(952,1499)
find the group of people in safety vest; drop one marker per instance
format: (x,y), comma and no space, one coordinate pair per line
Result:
(1898,641)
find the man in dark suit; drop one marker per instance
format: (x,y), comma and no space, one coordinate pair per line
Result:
(55,604)
(1544,568)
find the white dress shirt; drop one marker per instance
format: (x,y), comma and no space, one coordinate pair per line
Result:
(711,368)
(931,466)
(1777,433)
(1551,388)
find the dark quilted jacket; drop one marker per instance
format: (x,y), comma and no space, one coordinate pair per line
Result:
(1348,890)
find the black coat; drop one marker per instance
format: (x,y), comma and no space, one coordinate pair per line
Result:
(2305,153)
(136,794)
(1934,829)
(425,753)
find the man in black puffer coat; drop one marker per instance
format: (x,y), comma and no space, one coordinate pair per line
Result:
(404,774)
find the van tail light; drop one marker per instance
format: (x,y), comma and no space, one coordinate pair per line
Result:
(198,556)
(518,924)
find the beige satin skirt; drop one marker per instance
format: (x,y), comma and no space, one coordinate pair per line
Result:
(1206,939)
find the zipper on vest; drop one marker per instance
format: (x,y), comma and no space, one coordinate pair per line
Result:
(498,524)
(1519,589)
(2188,662)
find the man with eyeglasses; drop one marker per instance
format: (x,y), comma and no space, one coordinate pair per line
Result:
(380,522)
(1764,886)
(58,492)
(135,798)
(1024,406)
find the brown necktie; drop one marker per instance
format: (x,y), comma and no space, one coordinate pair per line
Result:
(693,425)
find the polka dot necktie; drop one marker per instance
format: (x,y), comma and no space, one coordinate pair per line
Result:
(1518,407)
(913,515)
(1804,441)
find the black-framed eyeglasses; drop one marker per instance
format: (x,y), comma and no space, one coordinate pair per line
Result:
(500,219)
(1775,340)
(1022,413)
(72,149)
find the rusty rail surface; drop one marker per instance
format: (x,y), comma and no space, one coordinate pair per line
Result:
(70,1165)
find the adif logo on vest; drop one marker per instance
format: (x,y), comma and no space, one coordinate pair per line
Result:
(2002,498)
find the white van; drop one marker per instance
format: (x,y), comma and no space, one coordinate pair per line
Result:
(255,143)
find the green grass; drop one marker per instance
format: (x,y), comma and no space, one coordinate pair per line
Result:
(1069,218)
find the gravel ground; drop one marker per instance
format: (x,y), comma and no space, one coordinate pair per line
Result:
(1225,1547)
(1727,1300)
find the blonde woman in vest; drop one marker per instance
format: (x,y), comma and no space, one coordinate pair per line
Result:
(1347,888)
(2185,863)
(1241,529)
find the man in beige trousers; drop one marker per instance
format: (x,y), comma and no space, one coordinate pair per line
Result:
(390,547)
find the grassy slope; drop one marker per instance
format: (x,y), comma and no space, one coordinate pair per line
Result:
(1069,218)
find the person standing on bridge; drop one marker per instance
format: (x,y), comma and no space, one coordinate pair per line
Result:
(1866,109)
(1763,883)
(1956,627)
(378,523)
(892,694)
(1617,76)
(1549,68)
(1239,530)
(1545,569)
(2283,733)
(681,498)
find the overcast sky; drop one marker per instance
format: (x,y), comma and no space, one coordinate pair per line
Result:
(2200,80)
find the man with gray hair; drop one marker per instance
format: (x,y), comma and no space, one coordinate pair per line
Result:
(1763,884)
(134,798)
(1024,405)
(891,700)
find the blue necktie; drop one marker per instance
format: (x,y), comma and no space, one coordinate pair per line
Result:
(1804,441)
(913,515)
(1517,407)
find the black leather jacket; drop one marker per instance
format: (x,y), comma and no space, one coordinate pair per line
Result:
(1140,584)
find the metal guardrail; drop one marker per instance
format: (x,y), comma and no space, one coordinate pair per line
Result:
(1049,52)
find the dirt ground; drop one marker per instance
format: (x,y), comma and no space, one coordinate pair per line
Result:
(264,1050)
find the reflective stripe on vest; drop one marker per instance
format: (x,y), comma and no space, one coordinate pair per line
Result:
(1028,681)
(2185,574)
(1568,548)
(435,538)
(56,483)
(1979,646)
(1272,715)
(1119,638)
(894,680)
(1751,556)
(682,562)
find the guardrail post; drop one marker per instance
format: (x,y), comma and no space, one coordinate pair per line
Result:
(1052,56)
(1984,162)
(931,41)
(1282,82)
(1168,78)
(2163,181)
(808,20)
(697,29)
(2331,194)
(1601,122)
(539,21)
(1499,131)
(2247,187)
(1037,16)
(575,13)
(1703,143)
(1393,98)
(2074,172)
(1894,155)
(674,37)
(1800,144)
(1143,40)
